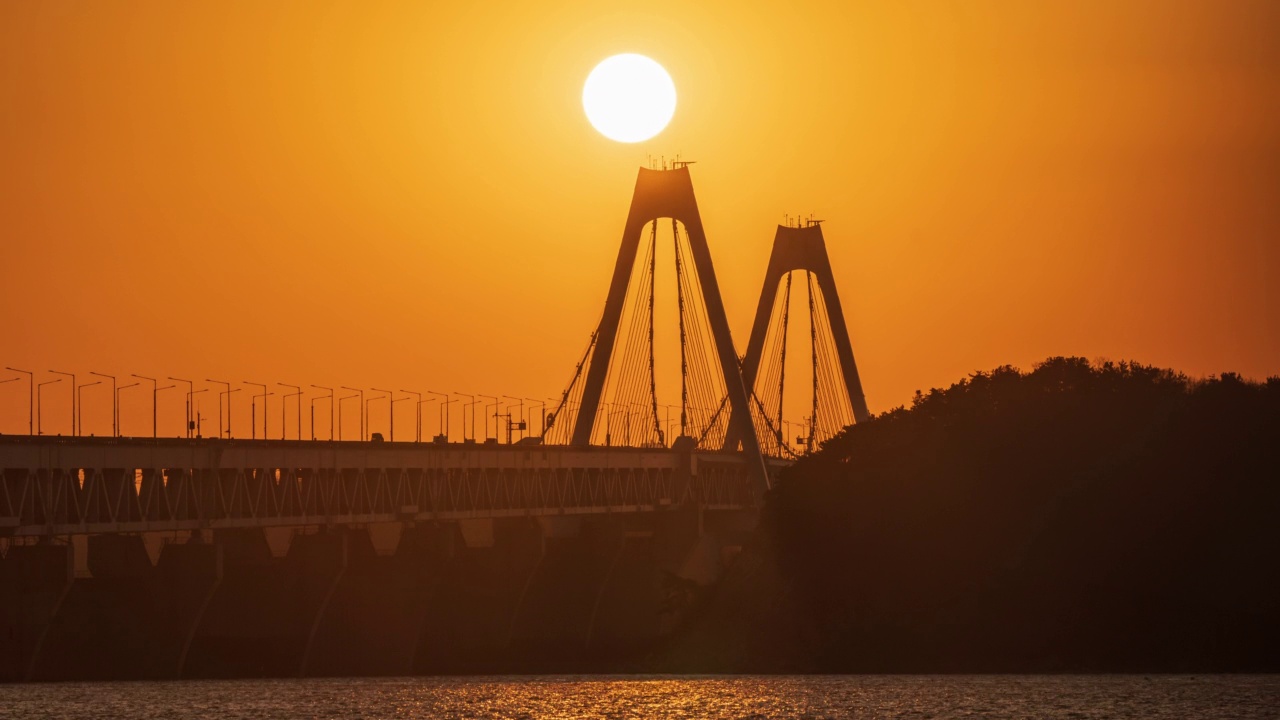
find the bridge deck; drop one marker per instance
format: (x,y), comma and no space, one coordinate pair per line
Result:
(54,486)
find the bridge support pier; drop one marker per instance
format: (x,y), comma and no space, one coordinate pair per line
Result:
(192,572)
(108,623)
(371,621)
(478,577)
(34,581)
(610,586)
(260,617)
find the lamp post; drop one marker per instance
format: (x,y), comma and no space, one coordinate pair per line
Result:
(541,405)
(73,398)
(117,403)
(313,411)
(362,406)
(381,397)
(31,406)
(155,390)
(391,411)
(393,401)
(417,433)
(80,402)
(153,400)
(561,406)
(608,423)
(193,425)
(486,416)
(471,402)
(227,392)
(39,401)
(666,426)
(519,427)
(253,411)
(284,400)
(443,427)
(190,393)
(348,397)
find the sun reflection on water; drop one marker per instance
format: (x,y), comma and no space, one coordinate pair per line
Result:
(679,697)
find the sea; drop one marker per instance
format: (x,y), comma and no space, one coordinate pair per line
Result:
(1180,697)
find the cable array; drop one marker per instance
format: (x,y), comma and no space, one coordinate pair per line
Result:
(630,412)
(828,408)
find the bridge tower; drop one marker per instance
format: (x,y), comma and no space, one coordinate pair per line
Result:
(713,396)
(837,398)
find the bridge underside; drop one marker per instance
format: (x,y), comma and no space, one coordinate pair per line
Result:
(131,559)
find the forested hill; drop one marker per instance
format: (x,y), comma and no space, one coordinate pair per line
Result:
(1076,517)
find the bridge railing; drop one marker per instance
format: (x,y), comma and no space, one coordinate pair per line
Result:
(66,488)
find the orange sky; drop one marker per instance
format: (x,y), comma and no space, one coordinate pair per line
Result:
(407,194)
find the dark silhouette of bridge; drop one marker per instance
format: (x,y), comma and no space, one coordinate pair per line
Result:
(608,481)
(730,415)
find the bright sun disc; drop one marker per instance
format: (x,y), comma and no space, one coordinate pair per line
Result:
(629,98)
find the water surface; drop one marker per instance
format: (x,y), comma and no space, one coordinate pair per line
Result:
(876,696)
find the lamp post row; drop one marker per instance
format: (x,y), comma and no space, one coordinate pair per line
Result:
(192,418)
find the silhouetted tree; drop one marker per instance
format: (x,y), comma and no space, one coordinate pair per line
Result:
(1109,516)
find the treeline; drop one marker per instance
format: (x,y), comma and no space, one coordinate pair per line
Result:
(1077,517)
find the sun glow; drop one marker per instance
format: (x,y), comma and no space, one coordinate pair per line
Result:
(629,98)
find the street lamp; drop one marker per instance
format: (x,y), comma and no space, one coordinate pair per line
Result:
(153,400)
(80,402)
(253,411)
(194,423)
(73,398)
(519,427)
(472,404)
(115,399)
(666,426)
(541,405)
(608,424)
(417,434)
(394,400)
(329,397)
(348,397)
(362,409)
(559,407)
(190,393)
(284,400)
(31,406)
(226,392)
(442,428)
(391,411)
(155,390)
(486,416)
(39,400)
(117,403)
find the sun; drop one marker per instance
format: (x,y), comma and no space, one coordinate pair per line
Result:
(629,98)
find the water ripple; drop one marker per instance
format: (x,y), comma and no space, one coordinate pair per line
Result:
(1245,697)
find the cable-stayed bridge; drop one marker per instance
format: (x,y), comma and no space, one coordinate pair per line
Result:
(152,557)
(725,442)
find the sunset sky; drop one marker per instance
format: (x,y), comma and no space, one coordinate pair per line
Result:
(408,194)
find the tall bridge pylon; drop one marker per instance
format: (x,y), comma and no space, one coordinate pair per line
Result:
(617,374)
(836,391)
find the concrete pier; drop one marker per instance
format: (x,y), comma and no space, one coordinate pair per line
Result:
(531,594)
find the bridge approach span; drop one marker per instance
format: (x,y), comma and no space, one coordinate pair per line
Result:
(56,486)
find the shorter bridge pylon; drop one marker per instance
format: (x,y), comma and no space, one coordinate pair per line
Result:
(837,397)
